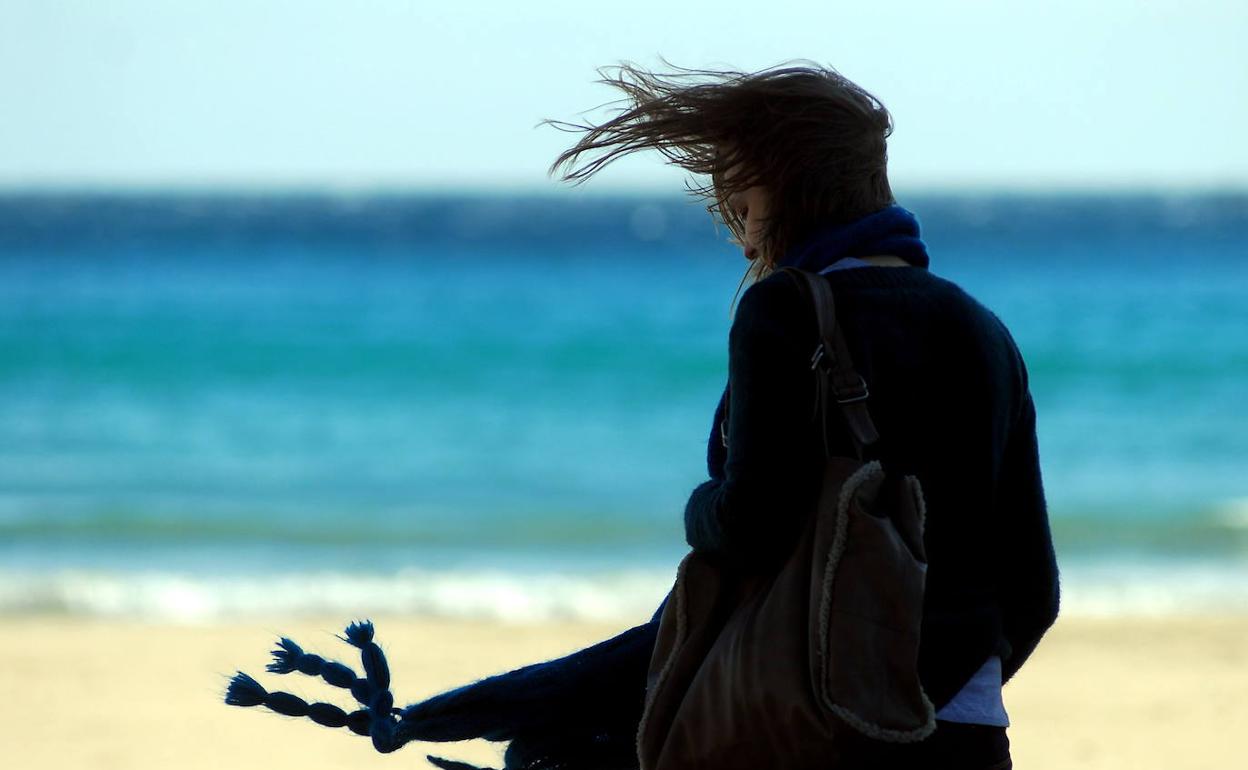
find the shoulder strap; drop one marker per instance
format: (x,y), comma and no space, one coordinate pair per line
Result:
(836,377)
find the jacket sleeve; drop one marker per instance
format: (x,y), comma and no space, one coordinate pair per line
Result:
(1030,589)
(751,516)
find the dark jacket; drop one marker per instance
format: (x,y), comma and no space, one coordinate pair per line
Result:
(949,394)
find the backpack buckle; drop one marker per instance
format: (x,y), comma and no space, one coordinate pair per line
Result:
(854,395)
(851,395)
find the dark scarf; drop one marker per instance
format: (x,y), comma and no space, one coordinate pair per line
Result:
(579,712)
(892,231)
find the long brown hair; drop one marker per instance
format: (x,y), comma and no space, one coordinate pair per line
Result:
(813,139)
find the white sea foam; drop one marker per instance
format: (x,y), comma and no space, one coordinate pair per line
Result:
(510,597)
(1147,588)
(1089,589)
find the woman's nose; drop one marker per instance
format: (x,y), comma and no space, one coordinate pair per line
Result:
(751,252)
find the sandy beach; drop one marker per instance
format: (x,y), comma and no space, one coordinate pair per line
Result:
(80,693)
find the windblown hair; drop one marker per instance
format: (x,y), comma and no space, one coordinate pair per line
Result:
(815,141)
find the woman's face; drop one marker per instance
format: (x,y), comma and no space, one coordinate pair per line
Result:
(751,206)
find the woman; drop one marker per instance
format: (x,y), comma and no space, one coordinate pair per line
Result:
(797,162)
(794,160)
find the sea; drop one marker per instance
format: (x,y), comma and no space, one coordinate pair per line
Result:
(224,405)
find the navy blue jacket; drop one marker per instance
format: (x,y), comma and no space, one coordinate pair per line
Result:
(950,397)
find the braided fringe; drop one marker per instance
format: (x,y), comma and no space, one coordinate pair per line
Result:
(534,743)
(245,691)
(290,657)
(377,719)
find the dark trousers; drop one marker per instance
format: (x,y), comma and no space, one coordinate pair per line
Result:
(953,746)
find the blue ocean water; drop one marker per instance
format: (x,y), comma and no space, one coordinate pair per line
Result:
(497,405)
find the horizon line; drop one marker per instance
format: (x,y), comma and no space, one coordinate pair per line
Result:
(555,189)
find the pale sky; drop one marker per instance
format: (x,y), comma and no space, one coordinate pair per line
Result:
(413,94)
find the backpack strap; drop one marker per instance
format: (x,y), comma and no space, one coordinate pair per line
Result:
(836,377)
